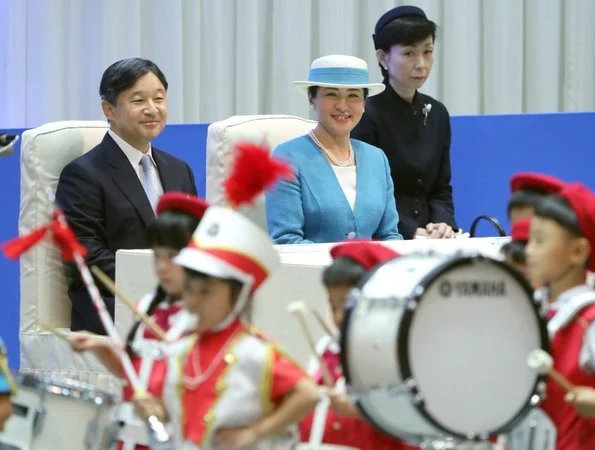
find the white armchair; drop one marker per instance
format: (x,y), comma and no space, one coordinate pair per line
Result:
(224,135)
(44,152)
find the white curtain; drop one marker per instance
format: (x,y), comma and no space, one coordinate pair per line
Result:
(227,57)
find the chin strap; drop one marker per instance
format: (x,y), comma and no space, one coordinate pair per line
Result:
(238,308)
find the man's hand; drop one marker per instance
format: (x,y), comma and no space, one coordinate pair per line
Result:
(83,341)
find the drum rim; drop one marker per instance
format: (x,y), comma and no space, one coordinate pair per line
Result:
(407,320)
(67,388)
(353,295)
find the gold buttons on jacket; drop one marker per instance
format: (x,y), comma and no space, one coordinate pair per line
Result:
(220,386)
(230,358)
(208,418)
(336,426)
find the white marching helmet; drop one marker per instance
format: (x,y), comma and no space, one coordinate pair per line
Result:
(228,245)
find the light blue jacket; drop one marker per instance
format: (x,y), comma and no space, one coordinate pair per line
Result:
(5,377)
(312,207)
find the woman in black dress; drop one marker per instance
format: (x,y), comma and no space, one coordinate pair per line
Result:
(413,129)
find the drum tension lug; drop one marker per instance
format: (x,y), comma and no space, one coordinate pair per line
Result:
(483,436)
(353,298)
(398,389)
(39,416)
(411,383)
(92,431)
(113,433)
(541,388)
(38,420)
(418,397)
(411,302)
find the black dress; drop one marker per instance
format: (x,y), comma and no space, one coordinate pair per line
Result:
(416,140)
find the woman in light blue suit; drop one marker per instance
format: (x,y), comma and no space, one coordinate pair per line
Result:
(342,188)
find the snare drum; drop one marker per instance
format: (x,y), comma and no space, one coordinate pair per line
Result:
(437,346)
(65,415)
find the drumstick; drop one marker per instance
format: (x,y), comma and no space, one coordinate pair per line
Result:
(144,318)
(297,309)
(543,363)
(55,332)
(324,323)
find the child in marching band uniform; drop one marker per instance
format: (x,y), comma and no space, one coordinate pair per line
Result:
(561,246)
(514,251)
(178,215)
(527,190)
(231,388)
(344,425)
(537,426)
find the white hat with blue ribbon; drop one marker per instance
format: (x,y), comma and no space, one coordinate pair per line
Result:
(340,71)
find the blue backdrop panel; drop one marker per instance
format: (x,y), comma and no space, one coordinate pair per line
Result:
(486,151)
(10,179)
(187,142)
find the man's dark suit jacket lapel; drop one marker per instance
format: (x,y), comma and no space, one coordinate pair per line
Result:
(127,180)
(170,179)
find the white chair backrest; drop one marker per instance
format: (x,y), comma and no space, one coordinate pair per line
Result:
(44,153)
(222,138)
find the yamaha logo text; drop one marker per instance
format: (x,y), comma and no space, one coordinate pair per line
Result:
(473,288)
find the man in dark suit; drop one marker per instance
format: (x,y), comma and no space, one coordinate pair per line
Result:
(109,194)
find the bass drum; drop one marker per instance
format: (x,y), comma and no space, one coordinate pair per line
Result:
(51,414)
(437,346)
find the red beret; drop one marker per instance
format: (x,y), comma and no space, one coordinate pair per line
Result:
(365,253)
(537,181)
(520,230)
(180,201)
(582,201)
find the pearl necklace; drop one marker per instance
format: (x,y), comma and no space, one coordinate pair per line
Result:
(200,376)
(335,161)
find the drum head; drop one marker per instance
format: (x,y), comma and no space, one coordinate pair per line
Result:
(465,345)
(369,344)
